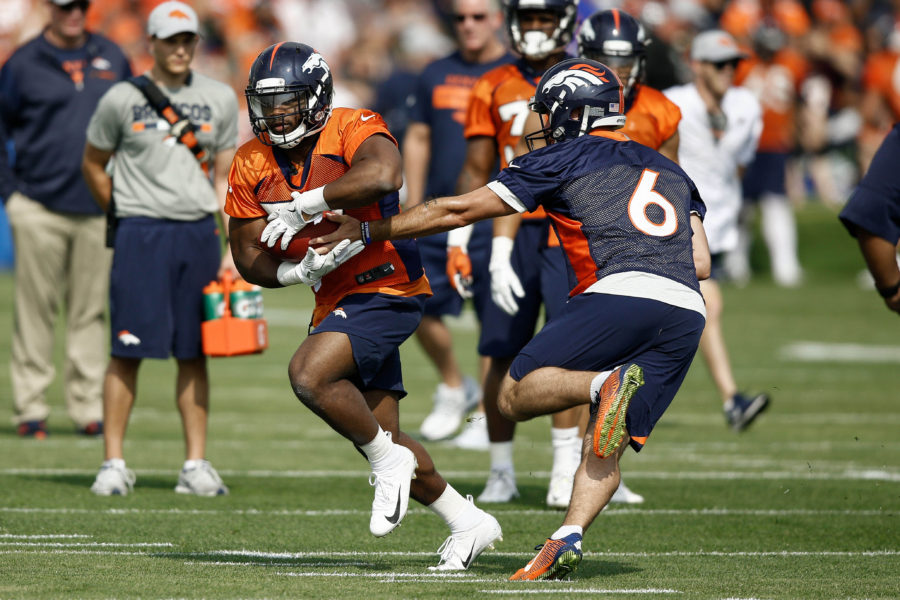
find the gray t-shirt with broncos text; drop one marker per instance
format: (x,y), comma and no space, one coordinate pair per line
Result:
(153,175)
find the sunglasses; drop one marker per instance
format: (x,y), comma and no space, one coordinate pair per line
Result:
(80,4)
(733,63)
(477,17)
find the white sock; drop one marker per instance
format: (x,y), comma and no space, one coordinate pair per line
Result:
(379,448)
(457,512)
(191,464)
(566,530)
(502,456)
(779,229)
(115,463)
(566,445)
(597,383)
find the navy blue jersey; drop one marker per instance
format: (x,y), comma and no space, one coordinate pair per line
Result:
(440,101)
(617,206)
(47,97)
(875,204)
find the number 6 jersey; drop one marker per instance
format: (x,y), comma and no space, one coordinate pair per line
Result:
(621,211)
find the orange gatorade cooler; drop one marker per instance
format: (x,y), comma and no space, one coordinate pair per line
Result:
(228,334)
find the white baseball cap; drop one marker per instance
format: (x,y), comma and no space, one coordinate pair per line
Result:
(715,46)
(171,18)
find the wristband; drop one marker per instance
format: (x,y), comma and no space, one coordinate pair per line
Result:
(364,233)
(889,292)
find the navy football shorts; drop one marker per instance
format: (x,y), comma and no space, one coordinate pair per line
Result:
(445,300)
(542,272)
(599,332)
(376,324)
(158,273)
(765,175)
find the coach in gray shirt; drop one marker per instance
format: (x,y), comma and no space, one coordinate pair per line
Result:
(167,245)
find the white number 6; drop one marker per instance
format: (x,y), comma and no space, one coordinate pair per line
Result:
(643,196)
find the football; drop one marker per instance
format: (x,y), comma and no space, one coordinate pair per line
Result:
(296,250)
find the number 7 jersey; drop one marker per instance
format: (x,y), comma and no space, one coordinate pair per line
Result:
(621,211)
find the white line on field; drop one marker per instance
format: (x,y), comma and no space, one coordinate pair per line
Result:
(86,544)
(846,474)
(828,352)
(44,537)
(613,511)
(571,590)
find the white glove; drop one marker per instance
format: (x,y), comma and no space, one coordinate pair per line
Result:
(315,266)
(287,221)
(505,284)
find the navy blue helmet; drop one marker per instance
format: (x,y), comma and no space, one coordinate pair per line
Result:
(577,95)
(289,94)
(536,44)
(617,39)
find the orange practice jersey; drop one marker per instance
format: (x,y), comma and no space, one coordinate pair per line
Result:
(776,85)
(882,74)
(498,108)
(262,176)
(652,118)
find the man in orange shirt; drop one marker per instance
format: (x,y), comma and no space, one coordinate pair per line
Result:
(307,159)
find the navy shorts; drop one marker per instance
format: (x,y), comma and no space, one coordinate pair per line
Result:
(542,272)
(445,300)
(765,175)
(599,332)
(159,270)
(376,324)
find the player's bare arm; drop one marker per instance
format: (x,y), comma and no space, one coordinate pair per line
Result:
(377,170)
(221,165)
(881,259)
(702,259)
(93,168)
(481,155)
(669,148)
(253,263)
(432,216)
(416,156)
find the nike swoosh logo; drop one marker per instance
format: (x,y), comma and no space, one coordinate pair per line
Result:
(469,557)
(396,516)
(366,118)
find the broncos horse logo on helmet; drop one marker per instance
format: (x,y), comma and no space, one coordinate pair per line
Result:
(537,44)
(615,38)
(576,95)
(289,95)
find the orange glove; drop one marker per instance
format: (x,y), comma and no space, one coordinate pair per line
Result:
(459,270)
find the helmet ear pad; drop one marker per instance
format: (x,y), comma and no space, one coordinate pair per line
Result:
(289,94)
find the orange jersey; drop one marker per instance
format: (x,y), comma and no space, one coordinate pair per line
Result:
(776,85)
(498,108)
(262,176)
(652,118)
(882,74)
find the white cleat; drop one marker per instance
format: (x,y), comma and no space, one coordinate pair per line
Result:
(392,491)
(113,481)
(474,435)
(500,487)
(460,550)
(202,480)
(559,493)
(623,495)
(447,414)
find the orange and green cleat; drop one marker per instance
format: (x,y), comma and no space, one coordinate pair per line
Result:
(556,559)
(612,405)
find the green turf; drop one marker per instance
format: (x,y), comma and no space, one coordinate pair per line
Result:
(803,505)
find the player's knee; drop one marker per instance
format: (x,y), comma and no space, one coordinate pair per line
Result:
(506,402)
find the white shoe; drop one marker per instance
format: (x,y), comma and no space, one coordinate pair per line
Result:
(474,435)
(625,496)
(500,487)
(447,414)
(113,481)
(392,490)
(202,480)
(460,550)
(562,480)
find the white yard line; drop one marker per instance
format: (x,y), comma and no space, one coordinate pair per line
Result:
(571,590)
(845,353)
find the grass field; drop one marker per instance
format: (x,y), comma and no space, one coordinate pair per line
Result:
(804,505)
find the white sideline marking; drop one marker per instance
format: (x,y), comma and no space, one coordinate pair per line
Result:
(571,590)
(846,474)
(44,537)
(829,352)
(223,563)
(88,544)
(613,511)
